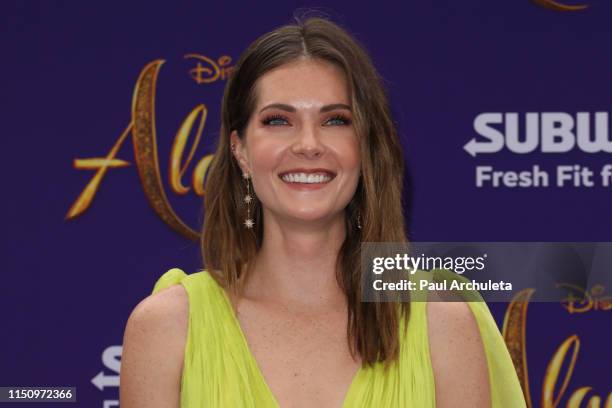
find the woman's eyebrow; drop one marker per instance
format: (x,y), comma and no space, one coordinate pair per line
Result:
(289,108)
(335,106)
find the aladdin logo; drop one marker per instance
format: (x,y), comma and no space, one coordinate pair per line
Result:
(547,132)
(560,368)
(142,131)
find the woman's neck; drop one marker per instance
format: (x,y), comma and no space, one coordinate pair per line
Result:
(296,264)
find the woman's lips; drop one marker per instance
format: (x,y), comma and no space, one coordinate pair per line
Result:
(317,170)
(305,186)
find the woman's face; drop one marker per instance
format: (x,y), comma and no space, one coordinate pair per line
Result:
(300,147)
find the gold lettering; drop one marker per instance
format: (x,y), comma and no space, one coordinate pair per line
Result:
(84,199)
(514,333)
(586,300)
(605,303)
(212,71)
(145,149)
(224,60)
(200,173)
(553,372)
(143,131)
(602,302)
(573,304)
(577,397)
(594,402)
(176,171)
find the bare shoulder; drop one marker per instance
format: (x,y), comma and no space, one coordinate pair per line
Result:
(457,355)
(153,350)
(169,306)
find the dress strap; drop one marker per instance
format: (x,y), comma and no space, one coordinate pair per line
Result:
(218,370)
(171,277)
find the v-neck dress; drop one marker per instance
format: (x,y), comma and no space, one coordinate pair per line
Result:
(220,371)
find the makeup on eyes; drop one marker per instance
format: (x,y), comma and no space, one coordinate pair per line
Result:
(268,120)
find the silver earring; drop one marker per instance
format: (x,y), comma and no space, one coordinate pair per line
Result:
(248,222)
(359,220)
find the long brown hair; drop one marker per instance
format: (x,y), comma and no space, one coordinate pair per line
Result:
(373,328)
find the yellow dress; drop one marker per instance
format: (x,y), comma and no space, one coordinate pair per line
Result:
(220,371)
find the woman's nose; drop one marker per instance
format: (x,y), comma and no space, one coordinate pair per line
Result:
(307,142)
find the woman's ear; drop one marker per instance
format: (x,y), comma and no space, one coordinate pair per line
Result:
(238,151)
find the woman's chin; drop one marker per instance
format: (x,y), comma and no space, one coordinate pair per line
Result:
(310,217)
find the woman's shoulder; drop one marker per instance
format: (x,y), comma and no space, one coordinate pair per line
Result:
(162,318)
(165,310)
(457,355)
(469,358)
(154,346)
(187,297)
(453,328)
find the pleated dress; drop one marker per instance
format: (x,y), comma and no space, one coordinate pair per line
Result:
(220,371)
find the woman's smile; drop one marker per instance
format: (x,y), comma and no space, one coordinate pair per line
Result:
(307,179)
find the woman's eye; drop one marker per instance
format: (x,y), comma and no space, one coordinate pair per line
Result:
(275,120)
(338,120)
(280,120)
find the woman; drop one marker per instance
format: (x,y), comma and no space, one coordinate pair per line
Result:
(307,168)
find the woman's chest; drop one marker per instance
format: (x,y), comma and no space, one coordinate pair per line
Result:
(303,357)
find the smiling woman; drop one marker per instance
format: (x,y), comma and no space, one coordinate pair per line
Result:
(308,137)
(308,167)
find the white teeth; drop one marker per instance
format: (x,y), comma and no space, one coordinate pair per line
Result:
(310,178)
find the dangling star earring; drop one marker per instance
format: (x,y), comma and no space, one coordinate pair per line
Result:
(248,222)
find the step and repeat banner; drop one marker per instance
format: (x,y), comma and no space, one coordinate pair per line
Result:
(110,118)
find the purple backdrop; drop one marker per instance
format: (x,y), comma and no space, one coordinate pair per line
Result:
(69,71)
